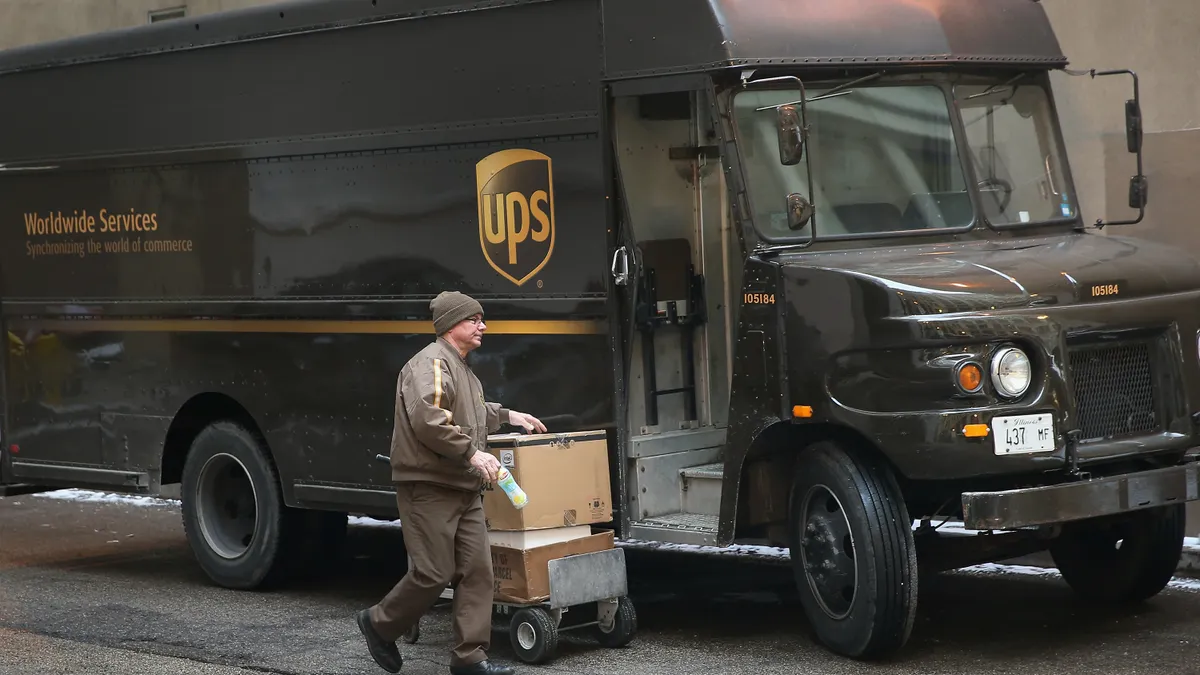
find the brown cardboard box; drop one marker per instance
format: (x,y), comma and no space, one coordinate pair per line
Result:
(565,477)
(535,538)
(523,575)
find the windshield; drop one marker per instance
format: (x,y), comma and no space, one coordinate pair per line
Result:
(885,159)
(1014,152)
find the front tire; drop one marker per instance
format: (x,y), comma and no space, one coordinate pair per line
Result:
(534,635)
(852,552)
(234,517)
(1121,562)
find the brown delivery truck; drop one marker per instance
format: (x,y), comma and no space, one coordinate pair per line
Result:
(818,270)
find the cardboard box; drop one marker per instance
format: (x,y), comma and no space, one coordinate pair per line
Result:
(523,575)
(566,477)
(534,538)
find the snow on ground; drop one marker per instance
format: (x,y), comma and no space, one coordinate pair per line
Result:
(744,551)
(77,495)
(90,496)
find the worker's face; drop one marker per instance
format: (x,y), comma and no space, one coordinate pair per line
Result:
(469,333)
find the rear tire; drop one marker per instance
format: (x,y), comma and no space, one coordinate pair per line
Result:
(236,523)
(852,552)
(1121,562)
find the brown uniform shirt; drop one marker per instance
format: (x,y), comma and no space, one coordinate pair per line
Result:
(441,420)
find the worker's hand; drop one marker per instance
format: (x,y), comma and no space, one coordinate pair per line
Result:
(487,464)
(526,421)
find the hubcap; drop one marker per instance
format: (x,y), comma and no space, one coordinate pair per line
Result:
(827,552)
(228,506)
(526,637)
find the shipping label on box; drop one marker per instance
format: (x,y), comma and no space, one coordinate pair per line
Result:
(565,477)
(523,575)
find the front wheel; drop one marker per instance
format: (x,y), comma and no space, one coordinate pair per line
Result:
(852,552)
(534,635)
(1121,561)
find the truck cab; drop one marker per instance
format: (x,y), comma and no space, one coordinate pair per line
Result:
(868,215)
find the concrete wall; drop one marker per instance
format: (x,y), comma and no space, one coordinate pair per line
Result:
(1157,41)
(25,22)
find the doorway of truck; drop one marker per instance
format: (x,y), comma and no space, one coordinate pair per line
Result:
(680,307)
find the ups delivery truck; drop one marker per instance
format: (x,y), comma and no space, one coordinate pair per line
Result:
(817,268)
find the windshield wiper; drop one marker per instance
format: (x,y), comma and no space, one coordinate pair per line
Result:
(836,91)
(994,87)
(776,249)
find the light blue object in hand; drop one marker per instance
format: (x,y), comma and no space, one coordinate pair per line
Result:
(515,494)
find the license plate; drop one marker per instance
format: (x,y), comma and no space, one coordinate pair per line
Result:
(1023,434)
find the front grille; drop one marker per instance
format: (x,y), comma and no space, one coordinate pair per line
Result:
(1114,390)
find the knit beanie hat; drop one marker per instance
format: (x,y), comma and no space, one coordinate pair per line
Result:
(450,307)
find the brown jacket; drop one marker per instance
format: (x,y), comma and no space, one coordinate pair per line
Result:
(441,419)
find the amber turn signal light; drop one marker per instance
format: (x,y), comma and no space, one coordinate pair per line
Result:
(970,378)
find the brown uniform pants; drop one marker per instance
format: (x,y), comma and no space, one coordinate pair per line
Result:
(446,537)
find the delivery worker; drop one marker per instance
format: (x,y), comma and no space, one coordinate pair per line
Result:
(439,466)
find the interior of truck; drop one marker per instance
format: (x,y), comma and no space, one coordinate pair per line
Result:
(680,367)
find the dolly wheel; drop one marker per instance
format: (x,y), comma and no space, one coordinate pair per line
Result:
(624,625)
(533,634)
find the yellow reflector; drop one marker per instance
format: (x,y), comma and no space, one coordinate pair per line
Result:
(801,411)
(975,430)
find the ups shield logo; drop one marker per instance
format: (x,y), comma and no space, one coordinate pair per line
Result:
(515,191)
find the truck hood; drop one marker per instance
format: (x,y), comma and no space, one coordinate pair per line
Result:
(1029,272)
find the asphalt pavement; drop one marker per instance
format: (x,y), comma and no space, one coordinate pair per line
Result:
(110,588)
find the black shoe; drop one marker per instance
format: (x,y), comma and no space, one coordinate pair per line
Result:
(484,667)
(385,653)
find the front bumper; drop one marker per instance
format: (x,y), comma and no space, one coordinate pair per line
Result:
(1028,507)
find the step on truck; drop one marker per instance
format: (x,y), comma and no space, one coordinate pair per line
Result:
(818,269)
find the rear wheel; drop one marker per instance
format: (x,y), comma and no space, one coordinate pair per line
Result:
(233,512)
(619,632)
(852,552)
(1121,561)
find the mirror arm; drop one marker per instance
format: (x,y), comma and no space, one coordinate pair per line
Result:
(746,84)
(1138,185)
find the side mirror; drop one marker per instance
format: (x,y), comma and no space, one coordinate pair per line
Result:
(1139,186)
(799,211)
(1133,126)
(1139,192)
(791,135)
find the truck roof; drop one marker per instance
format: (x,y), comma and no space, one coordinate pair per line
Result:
(695,35)
(712,34)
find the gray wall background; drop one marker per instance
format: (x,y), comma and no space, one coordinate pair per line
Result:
(30,21)
(1156,39)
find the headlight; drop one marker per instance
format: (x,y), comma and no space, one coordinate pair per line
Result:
(1011,372)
